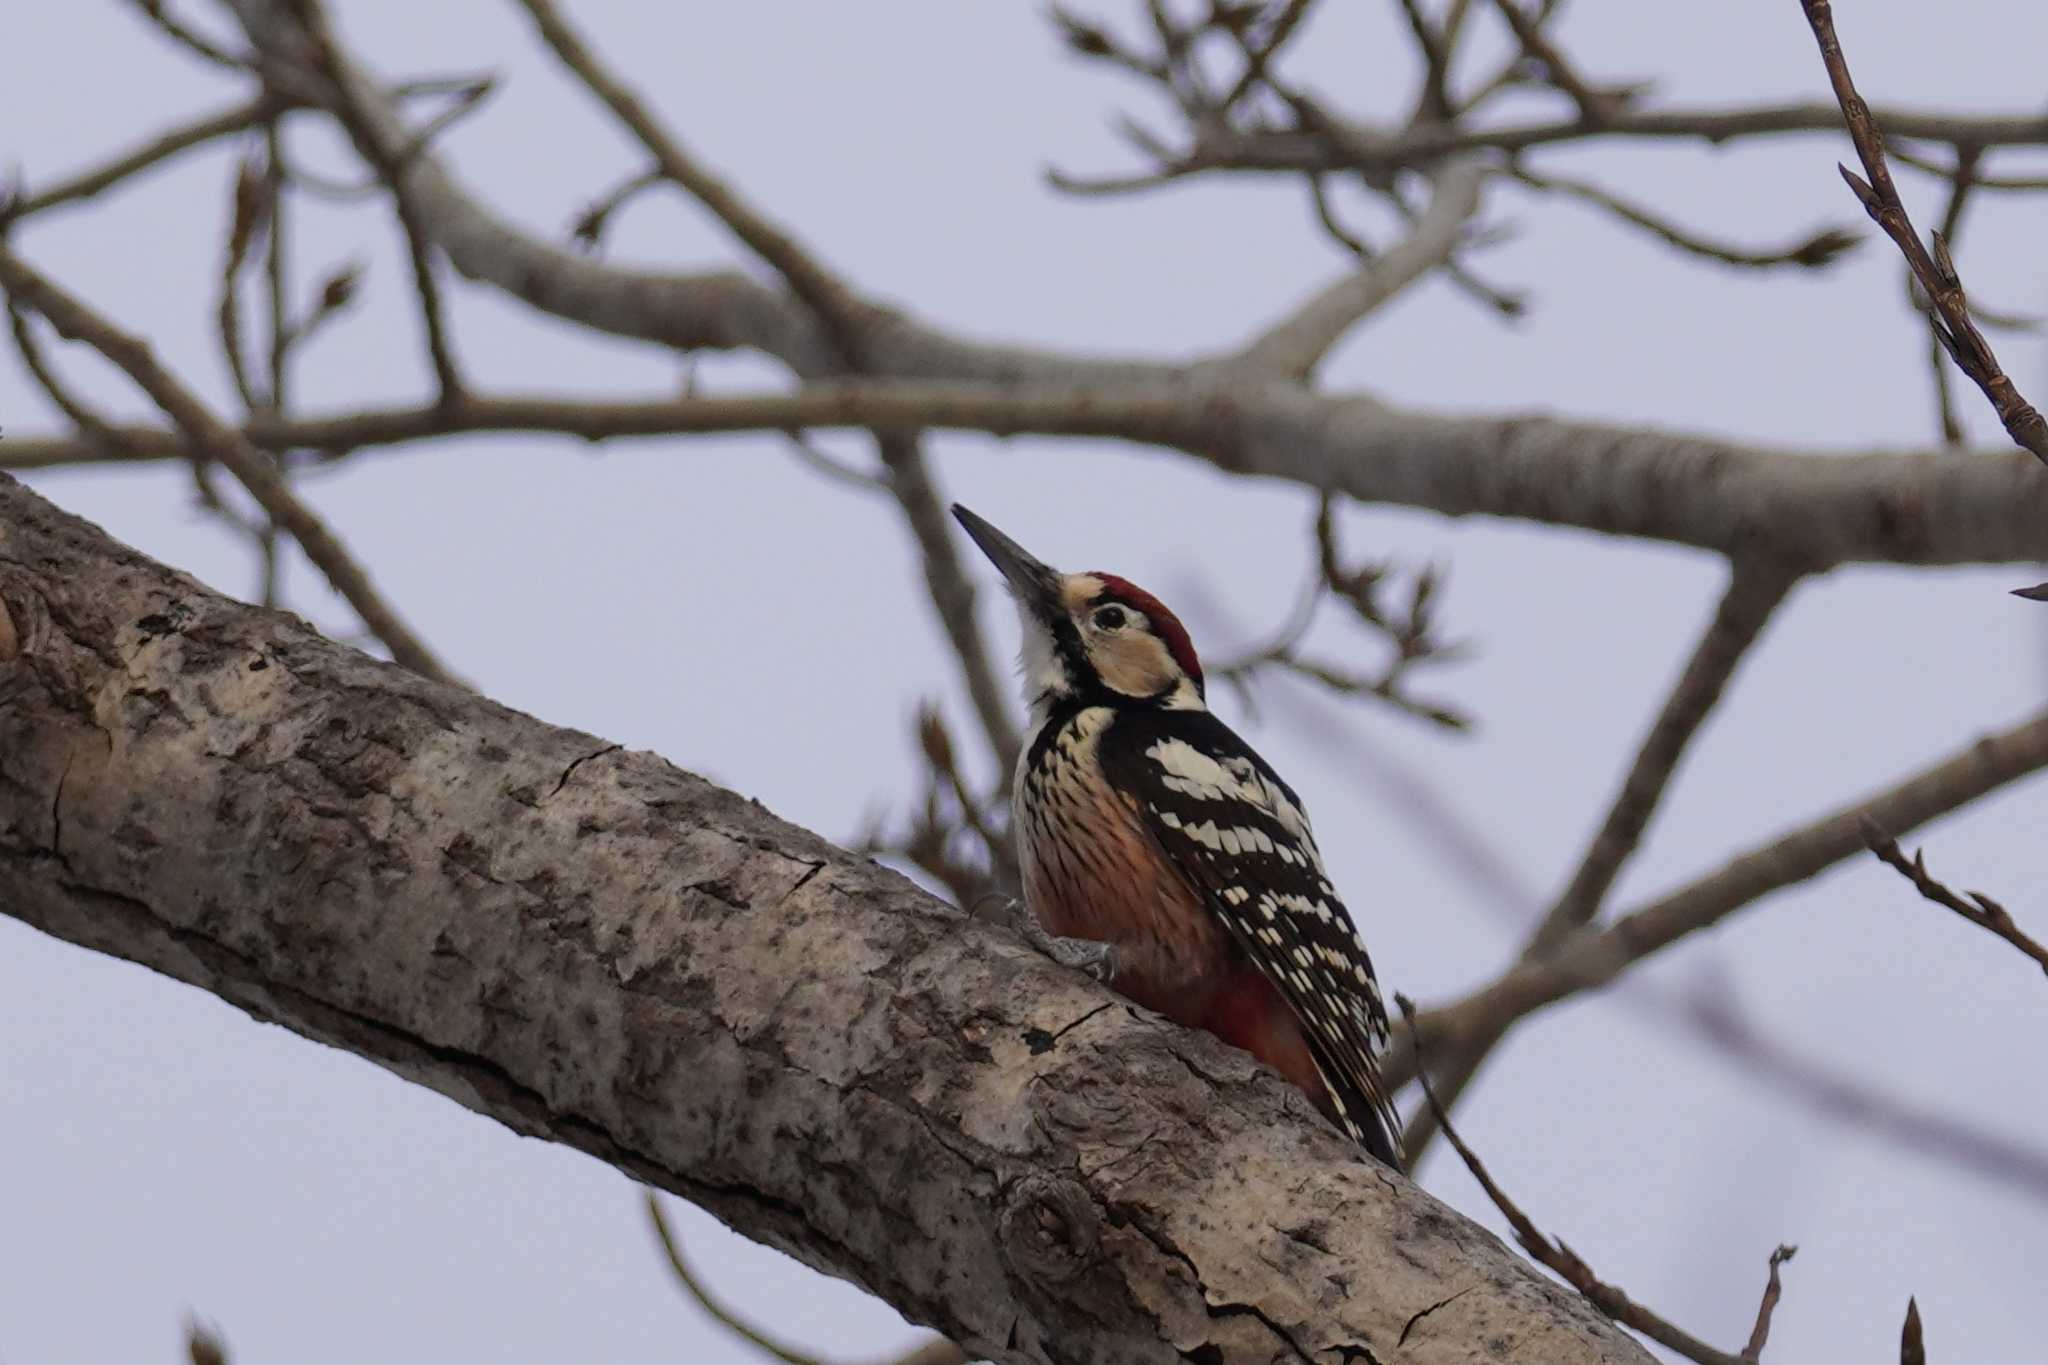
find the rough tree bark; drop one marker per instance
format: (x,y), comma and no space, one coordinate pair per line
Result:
(597,948)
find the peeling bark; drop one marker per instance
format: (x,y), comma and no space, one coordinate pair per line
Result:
(594,947)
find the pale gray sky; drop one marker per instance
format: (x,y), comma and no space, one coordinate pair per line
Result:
(163,1154)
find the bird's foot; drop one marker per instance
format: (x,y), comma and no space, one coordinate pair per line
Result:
(1096,958)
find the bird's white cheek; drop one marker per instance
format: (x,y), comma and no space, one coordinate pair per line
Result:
(1043,671)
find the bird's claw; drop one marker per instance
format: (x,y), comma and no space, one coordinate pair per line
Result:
(1096,958)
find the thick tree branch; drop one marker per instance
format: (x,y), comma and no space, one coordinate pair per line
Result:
(598,949)
(1819,510)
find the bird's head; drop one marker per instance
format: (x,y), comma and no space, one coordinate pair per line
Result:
(1091,635)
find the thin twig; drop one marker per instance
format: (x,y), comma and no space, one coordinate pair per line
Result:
(1410,631)
(1760,1335)
(392,167)
(589,227)
(1567,1263)
(672,1248)
(249,219)
(1422,145)
(86,184)
(1433,102)
(466,100)
(1756,588)
(1596,107)
(2020,184)
(276,273)
(838,472)
(211,439)
(188,38)
(1296,344)
(1974,906)
(1259,55)
(1962,180)
(838,307)
(277,282)
(1936,270)
(1823,247)
(1504,302)
(94,428)
(951,590)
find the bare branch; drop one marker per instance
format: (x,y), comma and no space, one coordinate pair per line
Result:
(187,37)
(589,228)
(837,306)
(1409,629)
(1596,107)
(183,138)
(1574,1271)
(1756,588)
(209,438)
(390,162)
(1821,248)
(276,276)
(1421,145)
(1936,272)
(950,589)
(1971,152)
(672,1251)
(1734,499)
(1433,100)
(95,430)
(1508,304)
(1297,344)
(250,208)
(1976,907)
(1260,51)
(834,470)
(1592,957)
(1760,1335)
(1707,1011)
(1962,181)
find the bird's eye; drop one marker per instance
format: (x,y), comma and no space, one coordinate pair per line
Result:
(1111,618)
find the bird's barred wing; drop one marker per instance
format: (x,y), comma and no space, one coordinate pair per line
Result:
(1238,834)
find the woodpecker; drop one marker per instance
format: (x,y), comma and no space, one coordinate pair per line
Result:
(1145,823)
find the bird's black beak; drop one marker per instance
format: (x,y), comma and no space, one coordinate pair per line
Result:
(1034,584)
